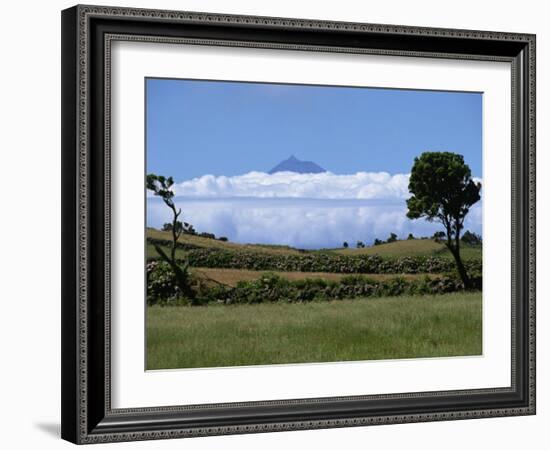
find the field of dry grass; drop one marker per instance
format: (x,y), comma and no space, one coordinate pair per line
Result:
(215,243)
(413,247)
(231,277)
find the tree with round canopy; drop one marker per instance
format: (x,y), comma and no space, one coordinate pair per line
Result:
(443,190)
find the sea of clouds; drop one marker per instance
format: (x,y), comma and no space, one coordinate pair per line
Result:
(302,210)
(326,185)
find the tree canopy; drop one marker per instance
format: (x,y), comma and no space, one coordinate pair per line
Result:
(442,188)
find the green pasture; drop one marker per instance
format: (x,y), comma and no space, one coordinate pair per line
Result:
(346,330)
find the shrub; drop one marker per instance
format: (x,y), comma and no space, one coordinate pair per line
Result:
(322,262)
(271,288)
(438,236)
(471,238)
(185,228)
(188,228)
(162,285)
(165,287)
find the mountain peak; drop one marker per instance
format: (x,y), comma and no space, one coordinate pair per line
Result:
(293,164)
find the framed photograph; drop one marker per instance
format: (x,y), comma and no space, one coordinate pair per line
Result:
(276,224)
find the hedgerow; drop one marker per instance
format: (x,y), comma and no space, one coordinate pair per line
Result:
(271,288)
(322,262)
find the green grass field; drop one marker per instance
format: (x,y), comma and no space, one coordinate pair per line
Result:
(348,330)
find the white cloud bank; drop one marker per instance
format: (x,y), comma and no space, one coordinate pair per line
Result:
(301,223)
(302,210)
(362,185)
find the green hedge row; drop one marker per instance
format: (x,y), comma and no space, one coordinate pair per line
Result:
(319,262)
(323,262)
(161,288)
(272,288)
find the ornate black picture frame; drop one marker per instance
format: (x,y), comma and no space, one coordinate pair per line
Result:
(87,33)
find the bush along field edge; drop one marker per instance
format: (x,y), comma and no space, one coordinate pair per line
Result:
(163,289)
(313,262)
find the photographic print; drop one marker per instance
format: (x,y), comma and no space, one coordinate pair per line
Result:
(298,210)
(290,223)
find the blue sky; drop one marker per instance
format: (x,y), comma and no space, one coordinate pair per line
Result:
(218,140)
(230,128)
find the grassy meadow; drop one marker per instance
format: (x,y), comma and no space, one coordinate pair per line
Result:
(269,304)
(413,247)
(346,330)
(204,242)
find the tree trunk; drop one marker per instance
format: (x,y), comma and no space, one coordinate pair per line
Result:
(173,249)
(174,236)
(181,274)
(460,267)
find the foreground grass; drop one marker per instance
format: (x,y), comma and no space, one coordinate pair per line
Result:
(348,330)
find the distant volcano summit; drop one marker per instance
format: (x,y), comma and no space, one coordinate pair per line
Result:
(293,164)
